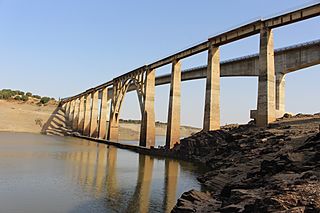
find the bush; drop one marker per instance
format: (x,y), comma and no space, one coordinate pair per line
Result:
(7,93)
(18,98)
(19,95)
(37,96)
(18,92)
(44,100)
(25,98)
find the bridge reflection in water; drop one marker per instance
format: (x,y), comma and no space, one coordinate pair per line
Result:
(102,171)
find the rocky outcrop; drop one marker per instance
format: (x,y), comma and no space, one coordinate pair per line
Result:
(195,201)
(257,170)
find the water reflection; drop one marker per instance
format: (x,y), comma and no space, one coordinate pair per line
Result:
(95,177)
(171,181)
(103,178)
(141,196)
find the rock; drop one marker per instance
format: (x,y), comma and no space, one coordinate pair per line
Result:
(232,208)
(287,115)
(264,140)
(251,169)
(195,201)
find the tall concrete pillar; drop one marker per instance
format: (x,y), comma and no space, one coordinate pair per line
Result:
(103,114)
(64,106)
(280,95)
(173,128)
(76,115)
(87,115)
(71,113)
(67,110)
(147,131)
(113,132)
(94,114)
(81,115)
(211,120)
(266,88)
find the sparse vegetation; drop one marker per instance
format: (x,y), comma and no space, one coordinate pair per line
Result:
(44,100)
(130,121)
(24,98)
(36,96)
(18,98)
(39,121)
(19,92)
(7,94)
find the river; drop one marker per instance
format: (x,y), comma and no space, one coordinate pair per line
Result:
(41,173)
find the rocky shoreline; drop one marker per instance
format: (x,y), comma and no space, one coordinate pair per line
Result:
(274,169)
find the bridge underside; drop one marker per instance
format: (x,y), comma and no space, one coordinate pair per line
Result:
(286,60)
(269,66)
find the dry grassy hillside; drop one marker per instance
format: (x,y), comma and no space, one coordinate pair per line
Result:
(19,116)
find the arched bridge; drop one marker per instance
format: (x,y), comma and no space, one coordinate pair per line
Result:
(269,65)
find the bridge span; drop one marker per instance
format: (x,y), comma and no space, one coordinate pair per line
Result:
(269,65)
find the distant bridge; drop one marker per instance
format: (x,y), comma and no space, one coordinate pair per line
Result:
(269,66)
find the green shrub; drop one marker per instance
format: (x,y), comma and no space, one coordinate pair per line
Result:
(7,93)
(6,96)
(18,92)
(19,95)
(24,98)
(44,100)
(18,98)
(37,96)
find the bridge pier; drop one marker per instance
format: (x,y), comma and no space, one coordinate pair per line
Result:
(94,114)
(67,110)
(71,113)
(280,95)
(173,127)
(105,96)
(75,115)
(87,115)
(147,130)
(81,115)
(266,87)
(211,120)
(113,133)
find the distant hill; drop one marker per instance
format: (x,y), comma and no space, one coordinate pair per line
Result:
(17,95)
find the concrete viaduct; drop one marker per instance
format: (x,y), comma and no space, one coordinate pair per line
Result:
(269,65)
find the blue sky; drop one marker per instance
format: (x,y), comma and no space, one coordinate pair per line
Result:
(61,47)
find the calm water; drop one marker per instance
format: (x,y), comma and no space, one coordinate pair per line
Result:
(160,141)
(62,174)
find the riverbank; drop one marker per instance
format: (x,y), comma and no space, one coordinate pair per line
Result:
(256,169)
(30,117)
(18,116)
